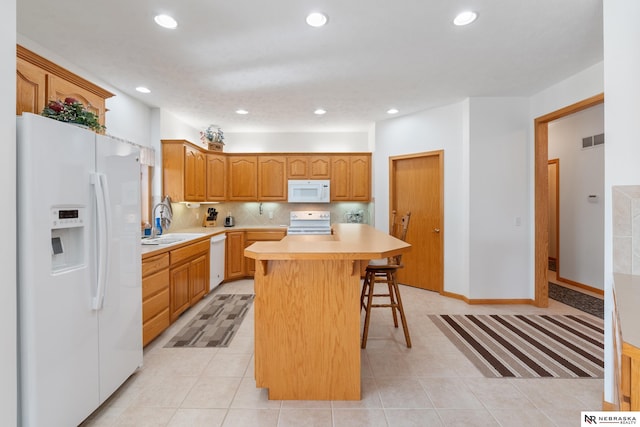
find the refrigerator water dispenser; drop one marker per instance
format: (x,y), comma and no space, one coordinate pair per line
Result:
(67,238)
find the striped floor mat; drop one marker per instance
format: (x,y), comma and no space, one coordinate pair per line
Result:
(528,346)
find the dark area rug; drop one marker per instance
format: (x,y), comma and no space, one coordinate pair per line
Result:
(216,324)
(528,346)
(575,299)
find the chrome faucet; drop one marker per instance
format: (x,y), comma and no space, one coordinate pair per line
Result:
(164,204)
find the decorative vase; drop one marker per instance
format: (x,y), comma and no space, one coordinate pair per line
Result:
(215,146)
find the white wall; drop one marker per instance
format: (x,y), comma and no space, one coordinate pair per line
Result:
(8,312)
(439,128)
(581,229)
(498,199)
(622,148)
(171,127)
(585,84)
(274,142)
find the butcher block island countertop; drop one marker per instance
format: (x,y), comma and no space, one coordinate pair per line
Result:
(307,311)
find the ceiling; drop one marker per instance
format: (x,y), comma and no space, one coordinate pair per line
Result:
(263,57)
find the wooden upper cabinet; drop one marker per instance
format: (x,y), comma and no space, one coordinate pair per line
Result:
(183,171)
(319,167)
(194,174)
(351,177)
(340,178)
(39,81)
(308,167)
(59,88)
(242,178)
(216,185)
(297,167)
(360,177)
(272,182)
(191,173)
(31,83)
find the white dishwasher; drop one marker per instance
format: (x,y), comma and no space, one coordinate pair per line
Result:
(216,260)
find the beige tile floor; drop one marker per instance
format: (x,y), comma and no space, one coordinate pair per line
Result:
(431,384)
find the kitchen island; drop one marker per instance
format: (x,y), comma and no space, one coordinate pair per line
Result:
(307,311)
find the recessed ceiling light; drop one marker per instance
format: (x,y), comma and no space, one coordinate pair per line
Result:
(320,111)
(143,89)
(166,21)
(241,111)
(392,111)
(316,19)
(465,18)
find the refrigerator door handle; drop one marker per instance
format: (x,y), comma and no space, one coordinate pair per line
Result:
(104,230)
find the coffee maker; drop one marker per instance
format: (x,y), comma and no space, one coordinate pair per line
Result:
(229,221)
(211,219)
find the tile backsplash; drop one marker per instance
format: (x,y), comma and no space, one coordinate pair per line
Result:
(268,213)
(626,229)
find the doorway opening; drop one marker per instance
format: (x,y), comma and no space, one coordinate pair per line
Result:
(541,194)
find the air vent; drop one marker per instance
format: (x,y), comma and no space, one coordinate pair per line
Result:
(598,139)
(593,141)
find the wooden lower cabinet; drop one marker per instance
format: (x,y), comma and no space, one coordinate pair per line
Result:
(237,265)
(199,278)
(189,276)
(174,281)
(630,378)
(155,297)
(180,300)
(171,283)
(250,238)
(234,256)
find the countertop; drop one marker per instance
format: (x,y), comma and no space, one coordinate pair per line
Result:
(348,241)
(627,294)
(200,233)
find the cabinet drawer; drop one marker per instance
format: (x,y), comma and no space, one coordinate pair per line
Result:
(153,264)
(264,235)
(155,327)
(154,305)
(155,283)
(182,254)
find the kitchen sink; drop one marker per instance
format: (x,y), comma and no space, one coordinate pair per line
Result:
(168,239)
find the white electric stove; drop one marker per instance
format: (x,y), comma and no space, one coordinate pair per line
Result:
(309,222)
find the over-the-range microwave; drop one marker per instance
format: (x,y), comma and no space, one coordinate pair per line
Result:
(309,191)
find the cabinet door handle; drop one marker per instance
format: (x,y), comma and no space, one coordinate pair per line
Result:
(436,230)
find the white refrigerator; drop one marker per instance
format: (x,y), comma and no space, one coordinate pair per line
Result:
(79,269)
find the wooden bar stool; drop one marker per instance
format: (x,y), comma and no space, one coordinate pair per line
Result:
(384,271)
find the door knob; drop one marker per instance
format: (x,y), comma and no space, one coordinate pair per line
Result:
(436,230)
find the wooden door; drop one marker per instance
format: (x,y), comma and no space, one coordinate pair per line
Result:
(416,185)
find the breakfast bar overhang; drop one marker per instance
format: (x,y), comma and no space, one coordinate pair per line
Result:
(307,311)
